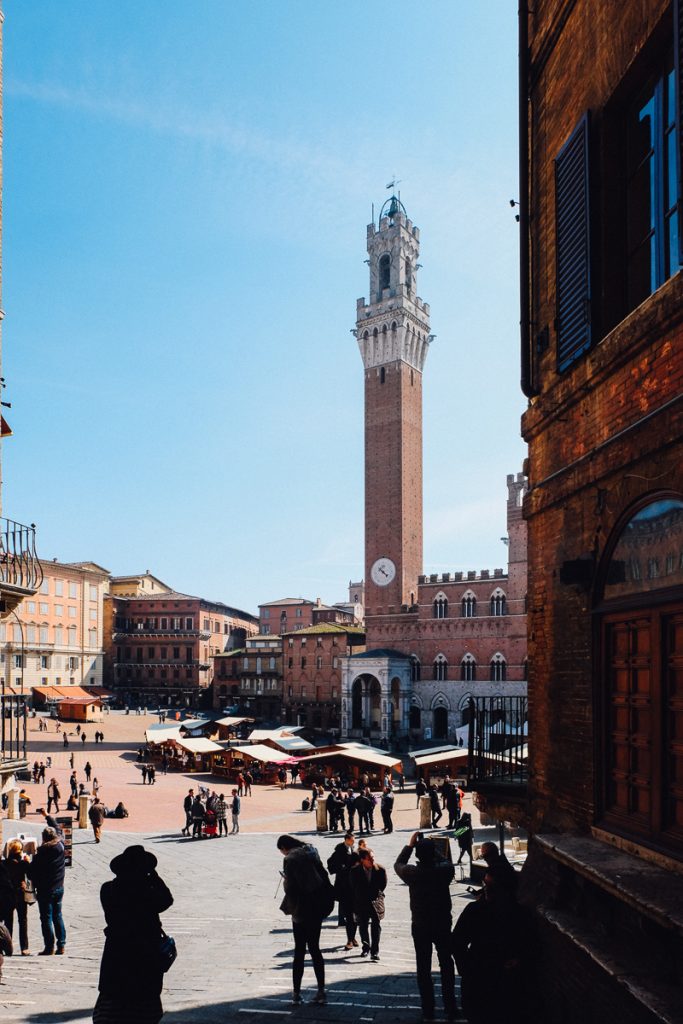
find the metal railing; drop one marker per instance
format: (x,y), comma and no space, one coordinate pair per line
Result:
(12,726)
(19,564)
(498,741)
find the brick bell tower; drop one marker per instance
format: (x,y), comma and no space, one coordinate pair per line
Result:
(392,330)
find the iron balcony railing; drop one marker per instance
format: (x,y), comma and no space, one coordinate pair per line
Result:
(19,564)
(498,738)
(12,727)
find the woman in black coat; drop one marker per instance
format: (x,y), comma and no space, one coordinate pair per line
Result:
(368,881)
(131,974)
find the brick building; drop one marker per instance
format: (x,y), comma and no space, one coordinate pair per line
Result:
(250,677)
(292,613)
(55,637)
(312,673)
(602,341)
(160,647)
(433,642)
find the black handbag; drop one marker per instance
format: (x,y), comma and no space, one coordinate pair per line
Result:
(168,951)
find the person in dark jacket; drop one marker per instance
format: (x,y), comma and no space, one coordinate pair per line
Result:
(187,807)
(430,908)
(46,871)
(387,808)
(17,871)
(363,807)
(437,813)
(96,815)
(306,884)
(465,836)
(197,817)
(131,975)
(368,882)
(339,864)
(500,866)
(493,950)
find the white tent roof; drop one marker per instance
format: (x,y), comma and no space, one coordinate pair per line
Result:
(199,745)
(357,752)
(262,753)
(431,757)
(193,724)
(230,721)
(162,733)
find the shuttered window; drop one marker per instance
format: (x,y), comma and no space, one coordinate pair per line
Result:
(572,215)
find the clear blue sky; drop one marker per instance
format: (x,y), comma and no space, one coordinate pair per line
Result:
(186,193)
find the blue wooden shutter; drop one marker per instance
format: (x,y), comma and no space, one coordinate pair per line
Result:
(678,63)
(572,223)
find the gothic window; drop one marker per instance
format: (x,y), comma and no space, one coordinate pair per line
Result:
(469,606)
(440,606)
(382,375)
(440,668)
(498,668)
(409,275)
(384,272)
(415,717)
(468,669)
(498,603)
(414,669)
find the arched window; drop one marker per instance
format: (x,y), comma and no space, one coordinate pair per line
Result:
(415,717)
(409,275)
(415,670)
(440,606)
(498,668)
(384,271)
(440,668)
(468,669)
(469,605)
(641,763)
(498,603)
(382,375)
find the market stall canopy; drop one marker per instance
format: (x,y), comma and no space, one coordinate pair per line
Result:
(60,692)
(428,757)
(199,745)
(285,739)
(357,752)
(162,733)
(260,752)
(194,725)
(231,722)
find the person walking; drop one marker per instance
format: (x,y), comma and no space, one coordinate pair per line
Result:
(41,772)
(87,768)
(248,779)
(143,772)
(453,806)
(132,971)
(420,791)
(46,871)
(339,864)
(430,909)
(83,738)
(17,871)
(235,811)
(73,783)
(314,797)
(309,898)
(437,813)
(222,815)
(152,774)
(53,796)
(96,815)
(65,739)
(71,759)
(363,805)
(368,882)
(95,786)
(240,784)
(465,836)
(187,808)
(387,809)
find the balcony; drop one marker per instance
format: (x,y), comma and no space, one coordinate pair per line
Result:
(20,570)
(497,761)
(140,632)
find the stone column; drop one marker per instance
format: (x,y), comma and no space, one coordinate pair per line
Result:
(13,803)
(83,802)
(425,812)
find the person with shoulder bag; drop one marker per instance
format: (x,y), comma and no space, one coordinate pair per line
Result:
(137,952)
(309,898)
(17,871)
(368,882)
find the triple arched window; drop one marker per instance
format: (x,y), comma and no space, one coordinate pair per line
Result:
(498,603)
(469,606)
(440,668)
(468,669)
(498,668)
(415,669)
(440,606)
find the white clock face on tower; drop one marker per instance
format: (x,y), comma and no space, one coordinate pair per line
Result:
(383,572)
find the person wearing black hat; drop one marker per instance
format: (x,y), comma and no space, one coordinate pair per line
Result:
(131,973)
(430,908)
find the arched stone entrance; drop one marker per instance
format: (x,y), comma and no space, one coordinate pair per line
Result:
(376,692)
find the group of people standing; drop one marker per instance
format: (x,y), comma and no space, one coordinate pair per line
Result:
(206,814)
(491,943)
(25,880)
(341,806)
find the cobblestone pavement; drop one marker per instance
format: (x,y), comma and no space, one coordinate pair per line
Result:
(235,946)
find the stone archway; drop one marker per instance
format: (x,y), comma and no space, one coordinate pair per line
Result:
(440,726)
